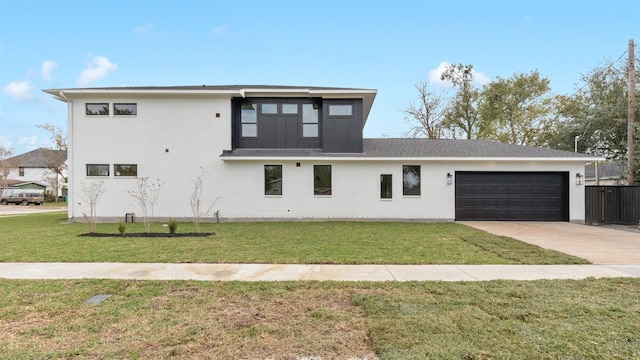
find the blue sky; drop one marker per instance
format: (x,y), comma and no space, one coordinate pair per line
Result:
(385,45)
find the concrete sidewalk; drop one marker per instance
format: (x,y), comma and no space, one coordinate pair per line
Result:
(279,272)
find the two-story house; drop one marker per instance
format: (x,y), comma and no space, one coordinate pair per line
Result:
(37,167)
(298,153)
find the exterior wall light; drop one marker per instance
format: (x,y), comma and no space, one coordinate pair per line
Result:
(449,179)
(579,178)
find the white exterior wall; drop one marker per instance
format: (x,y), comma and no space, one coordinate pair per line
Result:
(195,138)
(31,174)
(169,139)
(356,189)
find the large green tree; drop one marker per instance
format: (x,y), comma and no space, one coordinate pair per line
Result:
(594,118)
(596,114)
(518,110)
(462,116)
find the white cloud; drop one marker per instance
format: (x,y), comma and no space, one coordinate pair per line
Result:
(19,90)
(434,76)
(47,69)
(31,140)
(479,78)
(99,68)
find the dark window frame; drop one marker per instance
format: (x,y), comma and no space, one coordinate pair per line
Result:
(115,170)
(253,124)
(411,191)
(320,186)
(98,166)
(386,186)
(117,112)
(270,180)
(105,106)
(21,171)
(314,122)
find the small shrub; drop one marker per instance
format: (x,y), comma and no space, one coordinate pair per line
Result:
(122,227)
(173,226)
(49,198)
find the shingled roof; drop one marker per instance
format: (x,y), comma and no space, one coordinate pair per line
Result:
(422,148)
(38,158)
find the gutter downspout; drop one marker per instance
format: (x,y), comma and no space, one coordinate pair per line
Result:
(70,177)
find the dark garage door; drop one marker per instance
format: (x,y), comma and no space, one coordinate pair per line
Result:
(512,196)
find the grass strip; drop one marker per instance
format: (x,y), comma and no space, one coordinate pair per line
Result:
(568,319)
(49,238)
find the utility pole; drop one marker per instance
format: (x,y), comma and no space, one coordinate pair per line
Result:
(631,116)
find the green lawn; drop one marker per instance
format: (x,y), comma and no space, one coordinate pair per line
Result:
(49,238)
(546,319)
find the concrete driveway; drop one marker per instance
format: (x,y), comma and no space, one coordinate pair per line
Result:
(597,244)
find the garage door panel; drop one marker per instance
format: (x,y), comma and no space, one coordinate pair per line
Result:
(517,196)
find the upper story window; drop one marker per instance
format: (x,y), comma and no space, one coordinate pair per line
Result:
(21,171)
(411,180)
(290,109)
(340,110)
(310,120)
(270,109)
(125,170)
(249,120)
(97,108)
(97,169)
(125,109)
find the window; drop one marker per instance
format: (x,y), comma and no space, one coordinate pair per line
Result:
(20,171)
(273,179)
(321,179)
(269,108)
(385,186)
(249,120)
(125,170)
(410,179)
(97,109)
(289,109)
(340,110)
(97,169)
(310,120)
(125,109)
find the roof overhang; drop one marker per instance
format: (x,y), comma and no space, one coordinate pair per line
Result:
(343,158)
(367,95)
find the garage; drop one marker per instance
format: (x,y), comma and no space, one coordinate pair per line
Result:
(512,196)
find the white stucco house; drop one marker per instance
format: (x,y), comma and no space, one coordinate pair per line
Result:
(297,153)
(35,166)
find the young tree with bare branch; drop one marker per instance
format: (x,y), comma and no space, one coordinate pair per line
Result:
(426,114)
(91,194)
(146,194)
(197,199)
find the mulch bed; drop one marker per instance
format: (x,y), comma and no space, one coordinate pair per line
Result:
(149,235)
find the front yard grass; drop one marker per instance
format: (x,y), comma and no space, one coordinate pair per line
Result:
(49,238)
(546,319)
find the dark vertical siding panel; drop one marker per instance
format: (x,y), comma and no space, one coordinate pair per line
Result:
(342,134)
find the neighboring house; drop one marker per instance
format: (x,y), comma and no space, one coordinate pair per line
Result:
(609,173)
(297,153)
(17,184)
(35,166)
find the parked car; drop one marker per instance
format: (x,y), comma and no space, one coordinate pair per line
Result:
(22,196)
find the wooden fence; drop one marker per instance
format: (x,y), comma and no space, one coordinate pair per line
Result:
(612,205)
